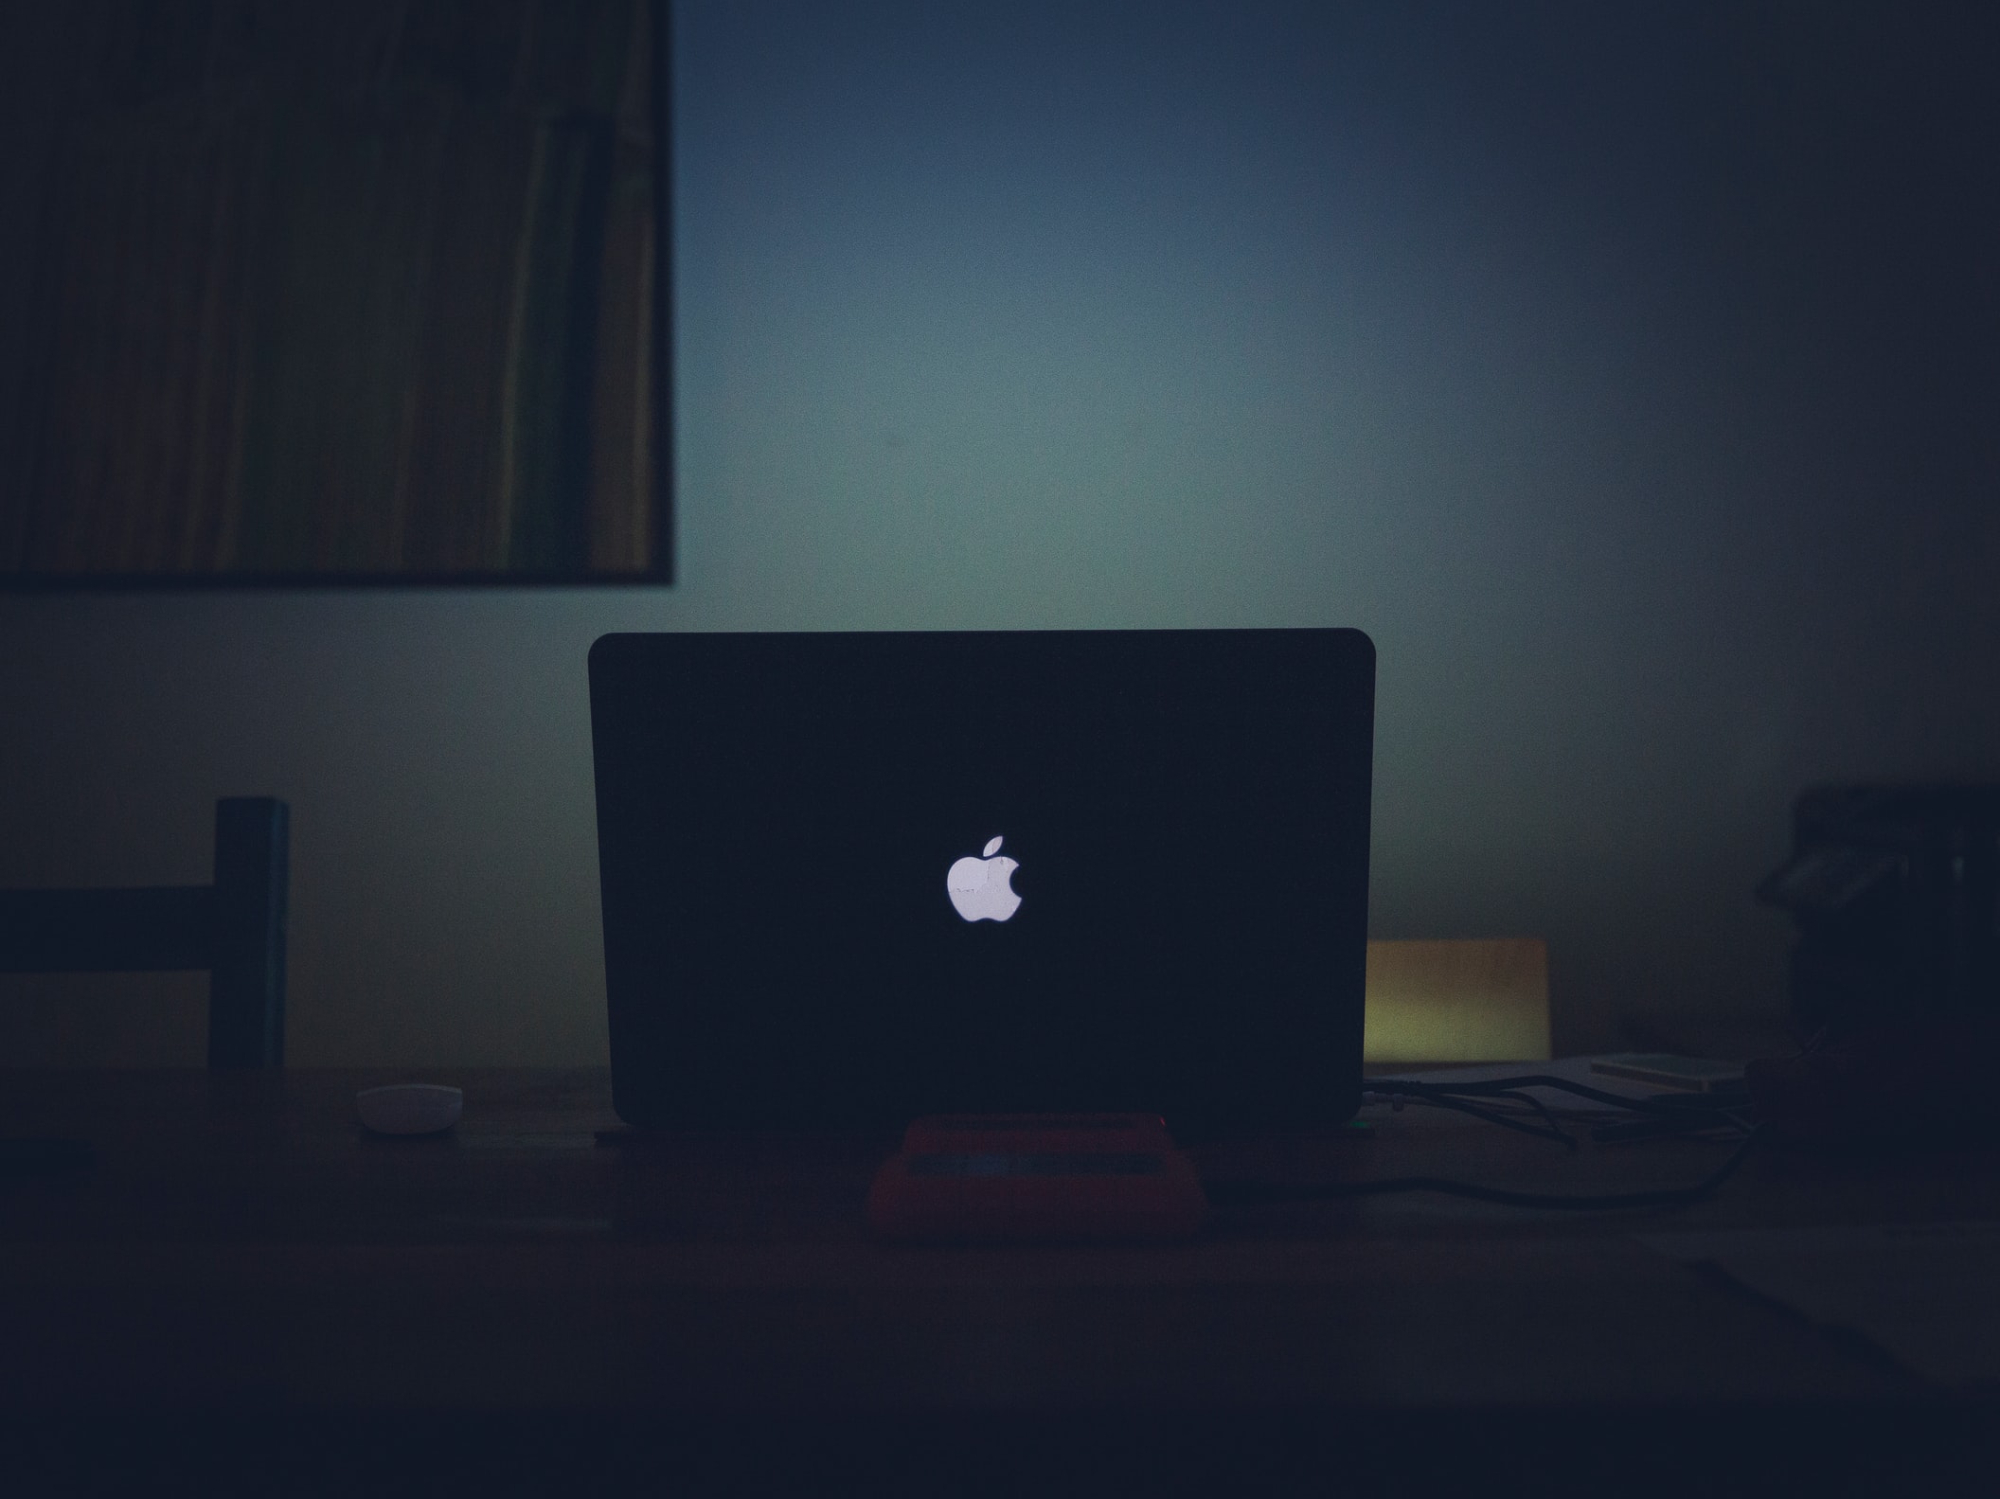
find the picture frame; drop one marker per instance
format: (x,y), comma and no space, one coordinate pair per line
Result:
(339,294)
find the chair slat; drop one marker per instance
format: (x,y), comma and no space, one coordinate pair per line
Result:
(246,987)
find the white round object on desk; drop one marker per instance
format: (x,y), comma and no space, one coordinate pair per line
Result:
(409,1108)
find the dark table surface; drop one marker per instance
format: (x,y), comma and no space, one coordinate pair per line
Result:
(241,1246)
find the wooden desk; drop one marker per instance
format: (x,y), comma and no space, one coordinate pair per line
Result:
(243,1262)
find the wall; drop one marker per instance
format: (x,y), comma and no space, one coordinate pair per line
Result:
(1631,379)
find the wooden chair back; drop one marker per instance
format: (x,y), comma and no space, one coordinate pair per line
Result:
(234,928)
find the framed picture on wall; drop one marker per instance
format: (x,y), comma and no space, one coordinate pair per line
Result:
(346,291)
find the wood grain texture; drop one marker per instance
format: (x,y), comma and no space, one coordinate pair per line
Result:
(247,1294)
(240,1232)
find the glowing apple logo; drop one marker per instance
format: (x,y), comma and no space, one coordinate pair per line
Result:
(979,888)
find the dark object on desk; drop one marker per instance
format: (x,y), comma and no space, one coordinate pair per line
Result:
(1910,1078)
(235,928)
(1896,894)
(1037,1178)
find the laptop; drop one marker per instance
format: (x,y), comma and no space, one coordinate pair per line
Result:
(850,879)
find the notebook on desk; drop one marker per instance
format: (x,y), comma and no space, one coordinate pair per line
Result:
(849,879)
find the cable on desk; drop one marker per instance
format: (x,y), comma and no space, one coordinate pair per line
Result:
(1397,1093)
(1254,1194)
(1533,1103)
(1551,1131)
(1677,1113)
(1676,1105)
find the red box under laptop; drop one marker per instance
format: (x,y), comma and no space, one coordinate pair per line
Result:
(1029,1178)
